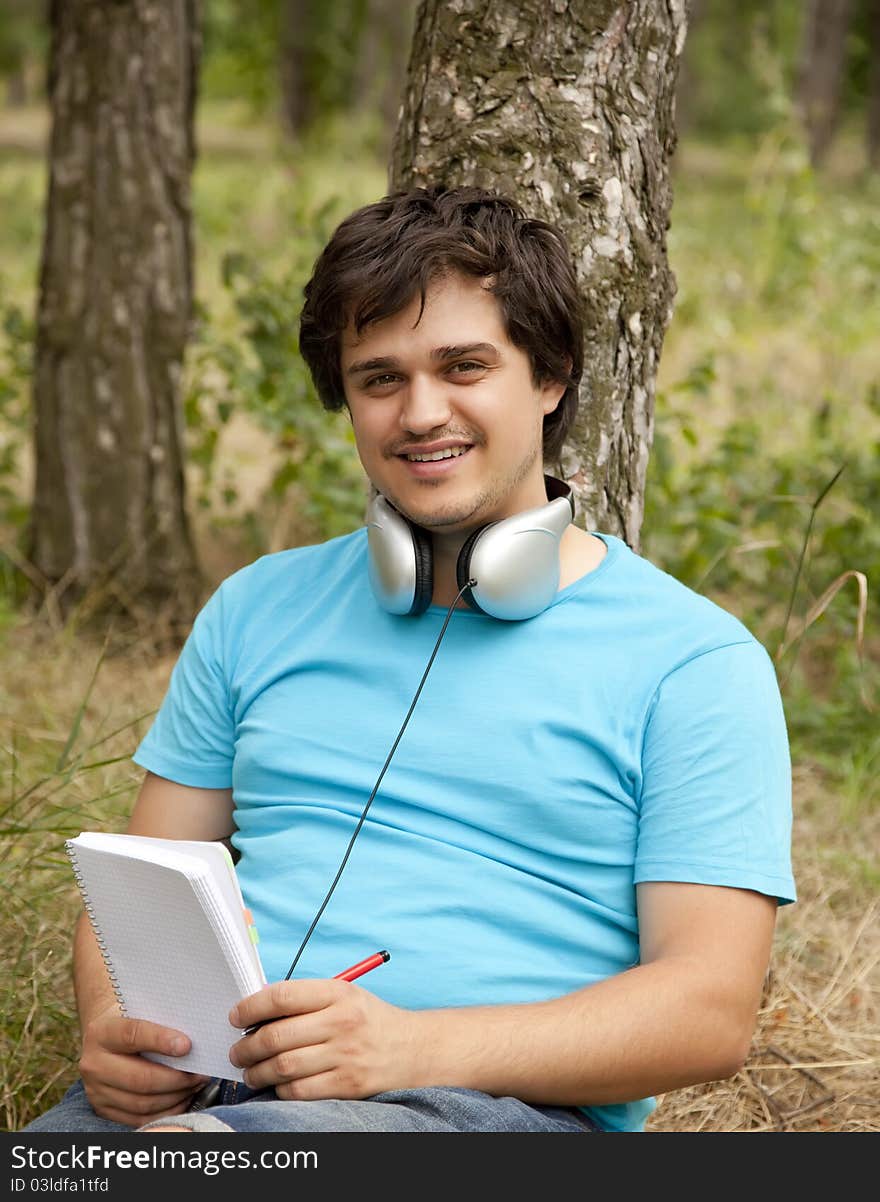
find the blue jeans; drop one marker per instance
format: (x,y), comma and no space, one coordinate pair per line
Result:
(238,1108)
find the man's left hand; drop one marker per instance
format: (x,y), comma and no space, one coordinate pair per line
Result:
(325,1039)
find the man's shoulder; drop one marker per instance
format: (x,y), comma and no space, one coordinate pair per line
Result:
(688,622)
(284,578)
(294,564)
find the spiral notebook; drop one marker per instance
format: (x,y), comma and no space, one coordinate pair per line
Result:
(177,940)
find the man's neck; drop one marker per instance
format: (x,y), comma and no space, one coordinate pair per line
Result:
(446,549)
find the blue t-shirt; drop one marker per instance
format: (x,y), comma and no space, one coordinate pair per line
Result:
(633,731)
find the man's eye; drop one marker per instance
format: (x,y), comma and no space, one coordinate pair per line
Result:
(379,381)
(466,366)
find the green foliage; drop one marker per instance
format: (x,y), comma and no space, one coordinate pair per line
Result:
(734,521)
(256,372)
(857,75)
(22,34)
(339,57)
(769,385)
(741,62)
(794,248)
(16,351)
(240,52)
(21,183)
(331,36)
(739,66)
(733,518)
(262,220)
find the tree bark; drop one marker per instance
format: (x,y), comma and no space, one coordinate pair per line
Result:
(821,72)
(568,107)
(114,309)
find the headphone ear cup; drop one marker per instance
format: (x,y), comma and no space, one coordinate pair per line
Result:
(424,561)
(401,563)
(463,566)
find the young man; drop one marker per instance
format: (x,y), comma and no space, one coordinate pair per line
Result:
(578,849)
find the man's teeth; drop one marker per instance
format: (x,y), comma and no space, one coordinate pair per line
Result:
(449,453)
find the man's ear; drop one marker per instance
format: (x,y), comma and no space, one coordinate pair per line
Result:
(552,393)
(555,390)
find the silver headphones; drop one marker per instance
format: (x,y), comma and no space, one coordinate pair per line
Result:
(514,562)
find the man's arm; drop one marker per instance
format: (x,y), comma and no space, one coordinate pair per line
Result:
(685,1014)
(120,1083)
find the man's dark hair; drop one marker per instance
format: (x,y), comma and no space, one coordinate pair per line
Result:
(386,253)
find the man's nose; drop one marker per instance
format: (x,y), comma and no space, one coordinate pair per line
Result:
(426,405)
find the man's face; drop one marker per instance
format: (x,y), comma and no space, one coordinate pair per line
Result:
(453,383)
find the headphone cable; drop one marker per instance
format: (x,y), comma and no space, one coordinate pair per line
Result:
(323,906)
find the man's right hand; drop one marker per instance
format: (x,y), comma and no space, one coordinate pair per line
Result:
(120,1083)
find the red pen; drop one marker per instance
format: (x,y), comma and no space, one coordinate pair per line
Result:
(358,970)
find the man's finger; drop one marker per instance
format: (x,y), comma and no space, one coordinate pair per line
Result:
(287,998)
(291,1065)
(136,1075)
(132,1035)
(141,1107)
(300,1031)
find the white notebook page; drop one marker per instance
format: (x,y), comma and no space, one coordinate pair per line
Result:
(161,937)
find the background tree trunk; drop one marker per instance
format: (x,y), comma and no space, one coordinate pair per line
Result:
(297,100)
(114,307)
(873,134)
(821,72)
(568,107)
(380,65)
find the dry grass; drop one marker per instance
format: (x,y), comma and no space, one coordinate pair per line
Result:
(814,1064)
(815,1058)
(66,742)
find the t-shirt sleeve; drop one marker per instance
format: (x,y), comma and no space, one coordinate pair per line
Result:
(715,804)
(191,740)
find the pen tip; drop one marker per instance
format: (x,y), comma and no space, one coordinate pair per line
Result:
(386,956)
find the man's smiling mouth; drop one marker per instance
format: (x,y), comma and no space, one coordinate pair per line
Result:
(432,456)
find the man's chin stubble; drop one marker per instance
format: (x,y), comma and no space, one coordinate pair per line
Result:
(439,520)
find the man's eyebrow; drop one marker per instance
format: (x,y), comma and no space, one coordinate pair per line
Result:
(371,365)
(470,348)
(442,353)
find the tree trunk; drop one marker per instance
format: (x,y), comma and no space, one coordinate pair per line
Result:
(821,72)
(399,34)
(874,87)
(380,59)
(114,308)
(568,107)
(297,102)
